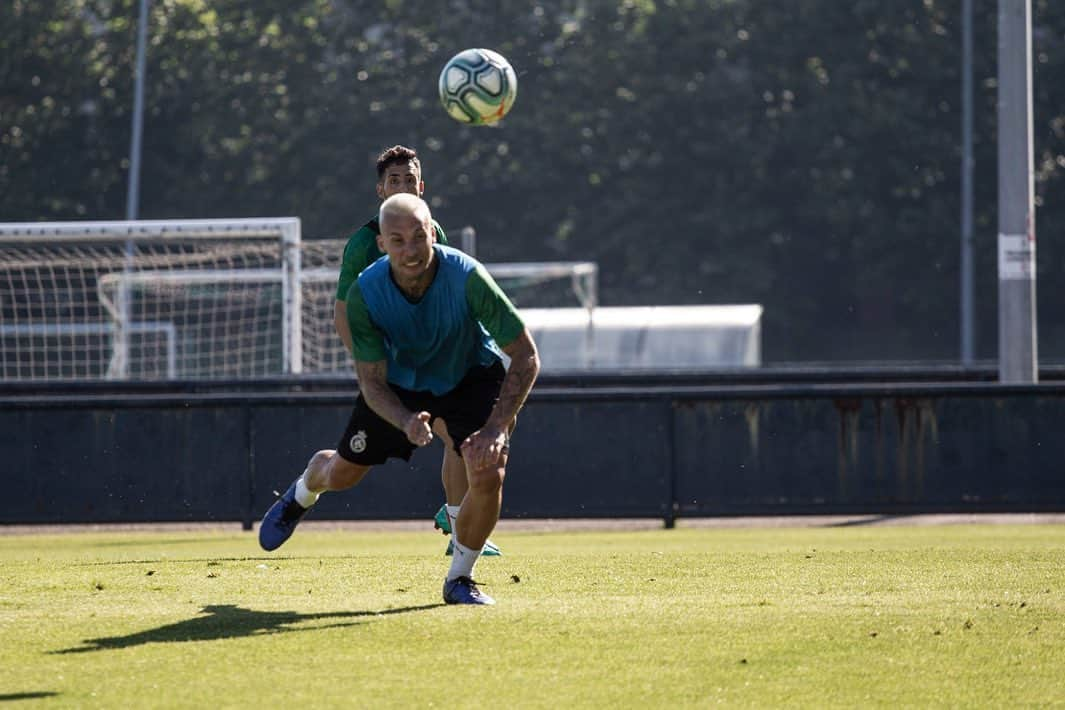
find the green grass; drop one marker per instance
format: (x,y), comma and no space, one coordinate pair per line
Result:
(951,616)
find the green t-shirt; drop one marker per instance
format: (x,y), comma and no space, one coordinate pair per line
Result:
(361,251)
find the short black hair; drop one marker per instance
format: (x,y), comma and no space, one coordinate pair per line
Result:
(397,155)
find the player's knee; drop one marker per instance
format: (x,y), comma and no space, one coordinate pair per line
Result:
(487,481)
(321,459)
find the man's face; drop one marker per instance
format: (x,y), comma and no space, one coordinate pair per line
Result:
(407,239)
(405,177)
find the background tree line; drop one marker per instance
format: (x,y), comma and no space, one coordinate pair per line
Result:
(802,155)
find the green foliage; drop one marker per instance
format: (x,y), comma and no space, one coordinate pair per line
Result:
(802,155)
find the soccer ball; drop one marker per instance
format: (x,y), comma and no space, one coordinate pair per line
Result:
(478,86)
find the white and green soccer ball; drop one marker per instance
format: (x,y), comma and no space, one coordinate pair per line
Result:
(478,86)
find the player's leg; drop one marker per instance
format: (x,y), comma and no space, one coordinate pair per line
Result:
(481,506)
(326,471)
(466,409)
(453,477)
(478,517)
(368,440)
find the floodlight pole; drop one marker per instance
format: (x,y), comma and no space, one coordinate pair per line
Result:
(1017,341)
(133,186)
(120,363)
(967,162)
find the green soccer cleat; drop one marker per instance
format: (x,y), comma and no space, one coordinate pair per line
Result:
(443,524)
(490,549)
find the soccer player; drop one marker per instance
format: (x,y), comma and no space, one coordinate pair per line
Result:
(400,170)
(426,325)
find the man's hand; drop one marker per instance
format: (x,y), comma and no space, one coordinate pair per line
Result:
(485,448)
(417,430)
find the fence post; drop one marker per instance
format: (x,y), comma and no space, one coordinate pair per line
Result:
(249,442)
(669,519)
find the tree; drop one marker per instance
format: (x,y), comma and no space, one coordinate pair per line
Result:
(801,155)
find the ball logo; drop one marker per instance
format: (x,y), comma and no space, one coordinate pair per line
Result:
(358,442)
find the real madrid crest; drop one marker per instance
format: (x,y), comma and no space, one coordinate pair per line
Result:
(358,442)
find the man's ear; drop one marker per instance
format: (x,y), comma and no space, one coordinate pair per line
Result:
(421,188)
(380,190)
(381,243)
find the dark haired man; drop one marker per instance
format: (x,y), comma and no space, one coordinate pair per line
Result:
(399,170)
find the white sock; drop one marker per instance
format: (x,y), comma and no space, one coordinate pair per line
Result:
(462,561)
(304,495)
(452,513)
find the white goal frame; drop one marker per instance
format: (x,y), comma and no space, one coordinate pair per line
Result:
(582,277)
(107,269)
(286,229)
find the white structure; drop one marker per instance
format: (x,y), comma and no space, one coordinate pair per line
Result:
(647,338)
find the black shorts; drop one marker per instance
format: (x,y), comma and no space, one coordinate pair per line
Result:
(369,440)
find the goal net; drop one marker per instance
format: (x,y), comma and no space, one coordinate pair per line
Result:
(527,284)
(149,299)
(196,299)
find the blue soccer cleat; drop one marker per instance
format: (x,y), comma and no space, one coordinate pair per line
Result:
(463,590)
(281,520)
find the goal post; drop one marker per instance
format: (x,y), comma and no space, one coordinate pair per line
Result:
(59,321)
(197,299)
(545,284)
(582,276)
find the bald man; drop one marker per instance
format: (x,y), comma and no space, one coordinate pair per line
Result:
(428,325)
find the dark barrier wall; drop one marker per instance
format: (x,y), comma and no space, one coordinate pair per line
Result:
(604,449)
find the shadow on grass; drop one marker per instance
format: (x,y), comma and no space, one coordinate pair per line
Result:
(182,560)
(154,542)
(868,520)
(223,621)
(33,695)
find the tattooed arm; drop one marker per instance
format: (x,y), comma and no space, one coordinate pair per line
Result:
(524,367)
(375,390)
(487,445)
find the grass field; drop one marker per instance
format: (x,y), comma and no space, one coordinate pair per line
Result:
(948,616)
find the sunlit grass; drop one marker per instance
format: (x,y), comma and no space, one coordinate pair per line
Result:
(954,616)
